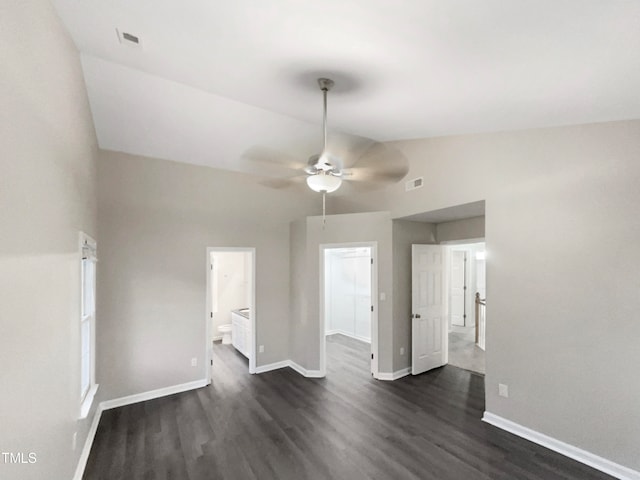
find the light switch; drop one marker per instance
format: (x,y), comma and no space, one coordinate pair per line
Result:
(503,390)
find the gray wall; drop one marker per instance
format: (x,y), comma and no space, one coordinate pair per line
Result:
(299,329)
(156,219)
(47,195)
(305,331)
(467,229)
(562,226)
(405,234)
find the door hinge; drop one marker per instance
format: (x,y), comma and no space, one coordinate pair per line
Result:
(372,261)
(211,266)
(372,308)
(211,314)
(211,362)
(372,356)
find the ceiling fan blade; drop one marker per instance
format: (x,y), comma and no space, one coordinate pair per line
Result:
(272,158)
(380,164)
(281,183)
(345,149)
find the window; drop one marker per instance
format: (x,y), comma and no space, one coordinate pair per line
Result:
(88,260)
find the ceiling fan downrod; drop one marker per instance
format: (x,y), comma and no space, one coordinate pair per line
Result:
(325,85)
(323,179)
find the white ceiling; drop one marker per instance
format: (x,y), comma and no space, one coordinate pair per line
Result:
(215,78)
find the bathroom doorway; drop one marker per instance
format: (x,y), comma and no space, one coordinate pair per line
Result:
(231,293)
(349,312)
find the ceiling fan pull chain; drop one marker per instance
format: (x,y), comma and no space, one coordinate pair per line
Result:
(324,217)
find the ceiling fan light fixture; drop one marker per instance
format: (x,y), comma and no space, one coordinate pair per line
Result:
(324,161)
(324,182)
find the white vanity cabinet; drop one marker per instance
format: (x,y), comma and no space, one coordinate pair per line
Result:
(240,332)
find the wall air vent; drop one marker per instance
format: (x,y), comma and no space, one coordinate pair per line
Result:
(129,39)
(413,184)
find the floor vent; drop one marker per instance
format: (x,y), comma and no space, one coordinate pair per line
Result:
(413,184)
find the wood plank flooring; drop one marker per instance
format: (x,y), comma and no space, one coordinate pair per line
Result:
(280,425)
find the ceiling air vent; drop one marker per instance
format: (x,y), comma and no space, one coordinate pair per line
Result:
(129,39)
(413,184)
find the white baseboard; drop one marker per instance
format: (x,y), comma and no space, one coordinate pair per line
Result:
(88,443)
(272,366)
(347,334)
(291,364)
(582,456)
(394,375)
(161,392)
(304,372)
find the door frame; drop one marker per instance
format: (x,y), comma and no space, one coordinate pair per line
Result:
(466,282)
(252,311)
(470,275)
(374,303)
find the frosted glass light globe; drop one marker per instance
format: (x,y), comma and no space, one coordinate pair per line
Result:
(323,182)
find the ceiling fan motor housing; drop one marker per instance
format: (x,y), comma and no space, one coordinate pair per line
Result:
(325,84)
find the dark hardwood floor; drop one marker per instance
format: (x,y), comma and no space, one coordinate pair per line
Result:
(280,425)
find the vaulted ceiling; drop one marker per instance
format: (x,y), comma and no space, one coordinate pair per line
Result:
(212,80)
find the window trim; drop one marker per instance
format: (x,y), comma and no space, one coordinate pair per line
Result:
(87,249)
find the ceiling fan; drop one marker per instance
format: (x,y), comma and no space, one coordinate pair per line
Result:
(361,162)
(324,176)
(372,166)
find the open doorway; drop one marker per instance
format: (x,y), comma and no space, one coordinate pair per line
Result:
(466,299)
(231,293)
(348,308)
(430,299)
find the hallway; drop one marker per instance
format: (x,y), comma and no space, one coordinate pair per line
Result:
(463,352)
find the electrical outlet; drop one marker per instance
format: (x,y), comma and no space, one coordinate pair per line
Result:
(503,390)
(261,348)
(401,350)
(194,362)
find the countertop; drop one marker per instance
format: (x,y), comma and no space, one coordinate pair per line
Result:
(242,311)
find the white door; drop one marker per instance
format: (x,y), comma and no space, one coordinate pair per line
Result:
(458,288)
(428,327)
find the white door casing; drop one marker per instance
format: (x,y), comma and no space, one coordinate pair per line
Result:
(458,284)
(429,320)
(482,290)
